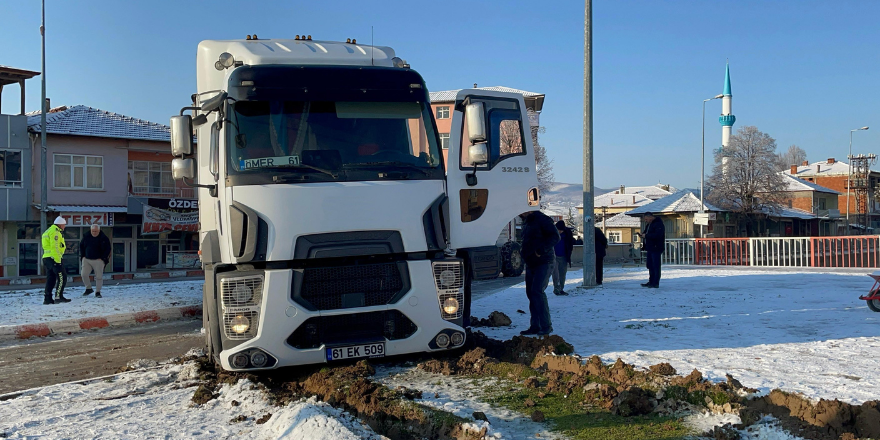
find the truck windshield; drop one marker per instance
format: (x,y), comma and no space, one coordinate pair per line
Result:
(329,140)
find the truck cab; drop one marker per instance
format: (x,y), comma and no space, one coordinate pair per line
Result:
(328,227)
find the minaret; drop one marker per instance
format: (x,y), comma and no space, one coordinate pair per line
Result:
(726,119)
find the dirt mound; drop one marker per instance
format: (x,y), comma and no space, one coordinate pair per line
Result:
(633,402)
(496,319)
(825,420)
(521,349)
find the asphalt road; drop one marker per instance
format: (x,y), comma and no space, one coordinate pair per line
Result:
(93,354)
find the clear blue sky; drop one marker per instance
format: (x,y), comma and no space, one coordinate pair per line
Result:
(805,72)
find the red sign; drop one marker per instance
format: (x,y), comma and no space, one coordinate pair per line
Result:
(88,218)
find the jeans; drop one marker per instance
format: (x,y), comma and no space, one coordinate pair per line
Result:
(653,263)
(537,278)
(559,271)
(56,279)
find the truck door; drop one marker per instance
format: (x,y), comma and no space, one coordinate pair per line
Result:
(485,197)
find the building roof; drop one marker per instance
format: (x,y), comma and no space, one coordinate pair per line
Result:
(85,208)
(727,81)
(12,75)
(682,201)
(449,95)
(784,212)
(81,120)
(821,169)
(614,200)
(621,220)
(652,192)
(793,183)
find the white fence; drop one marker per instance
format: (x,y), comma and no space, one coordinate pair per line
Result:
(680,251)
(779,252)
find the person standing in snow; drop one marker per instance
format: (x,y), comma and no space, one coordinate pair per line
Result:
(654,238)
(94,253)
(53,249)
(563,257)
(539,240)
(601,247)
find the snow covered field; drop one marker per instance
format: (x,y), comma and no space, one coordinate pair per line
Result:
(26,306)
(800,332)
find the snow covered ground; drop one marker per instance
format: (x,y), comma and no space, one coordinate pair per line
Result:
(26,306)
(156,403)
(800,332)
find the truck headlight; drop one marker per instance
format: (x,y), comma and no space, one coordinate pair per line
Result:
(240,324)
(450,306)
(241,295)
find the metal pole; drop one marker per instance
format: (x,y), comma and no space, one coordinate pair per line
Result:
(849,182)
(589,222)
(43,194)
(702,163)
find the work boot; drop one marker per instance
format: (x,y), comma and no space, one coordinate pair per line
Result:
(61,299)
(529,332)
(48,301)
(98,295)
(646,284)
(88,292)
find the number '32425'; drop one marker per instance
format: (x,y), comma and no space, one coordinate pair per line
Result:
(514,169)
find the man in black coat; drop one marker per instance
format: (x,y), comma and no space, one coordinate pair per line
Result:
(563,257)
(655,242)
(539,239)
(94,251)
(601,247)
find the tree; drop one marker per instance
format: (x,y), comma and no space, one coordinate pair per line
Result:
(747,181)
(543,164)
(793,156)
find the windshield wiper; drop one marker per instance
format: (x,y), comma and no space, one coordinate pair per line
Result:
(309,167)
(386,164)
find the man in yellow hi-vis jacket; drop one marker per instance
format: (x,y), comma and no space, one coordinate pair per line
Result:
(53,249)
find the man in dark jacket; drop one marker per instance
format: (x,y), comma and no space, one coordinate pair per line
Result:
(655,241)
(539,239)
(94,251)
(563,257)
(601,246)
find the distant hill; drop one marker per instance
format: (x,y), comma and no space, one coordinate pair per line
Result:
(563,193)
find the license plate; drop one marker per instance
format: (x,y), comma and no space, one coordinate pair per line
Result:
(356,351)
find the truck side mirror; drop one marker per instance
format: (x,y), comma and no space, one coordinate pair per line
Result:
(476,122)
(479,154)
(181,135)
(182,169)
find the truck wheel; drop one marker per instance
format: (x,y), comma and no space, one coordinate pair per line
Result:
(511,259)
(874,304)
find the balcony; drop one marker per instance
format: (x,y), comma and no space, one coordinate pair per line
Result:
(163,193)
(830,213)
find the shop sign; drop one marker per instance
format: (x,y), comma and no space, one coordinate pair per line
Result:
(88,218)
(181,205)
(157,220)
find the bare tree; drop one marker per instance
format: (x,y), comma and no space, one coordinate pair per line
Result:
(793,156)
(572,217)
(510,142)
(748,183)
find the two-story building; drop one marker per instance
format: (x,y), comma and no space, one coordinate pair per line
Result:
(104,168)
(833,174)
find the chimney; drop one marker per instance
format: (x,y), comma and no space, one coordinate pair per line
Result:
(794,169)
(830,161)
(805,164)
(475,85)
(622,189)
(634,200)
(818,168)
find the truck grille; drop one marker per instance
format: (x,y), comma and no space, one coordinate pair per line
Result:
(352,329)
(342,287)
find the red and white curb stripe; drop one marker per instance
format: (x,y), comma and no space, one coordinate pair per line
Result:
(110,276)
(71,326)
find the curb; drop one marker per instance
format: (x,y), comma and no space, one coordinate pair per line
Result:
(71,326)
(109,276)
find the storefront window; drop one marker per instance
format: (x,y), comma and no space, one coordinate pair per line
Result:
(29,231)
(147,253)
(122,232)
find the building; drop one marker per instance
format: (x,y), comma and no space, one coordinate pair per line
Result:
(833,174)
(621,228)
(107,169)
(677,213)
(810,197)
(727,119)
(443,101)
(15,166)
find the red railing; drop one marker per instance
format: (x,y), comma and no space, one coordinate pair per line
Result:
(722,251)
(849,251)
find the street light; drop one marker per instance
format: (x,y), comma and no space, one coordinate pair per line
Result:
(703,156)
(849,177)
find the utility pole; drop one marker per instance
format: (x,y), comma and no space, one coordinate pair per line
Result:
(43,110)
(589,222)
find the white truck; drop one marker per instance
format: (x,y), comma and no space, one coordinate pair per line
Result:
(329,229)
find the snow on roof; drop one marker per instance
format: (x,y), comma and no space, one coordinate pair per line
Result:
(81,120)
(682,201)
(613,200)
(652,192)
(784,212)
(449,95)
(821,169)
(793,183)
(621,220)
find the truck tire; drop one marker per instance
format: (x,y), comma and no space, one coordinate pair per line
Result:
(512,264)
